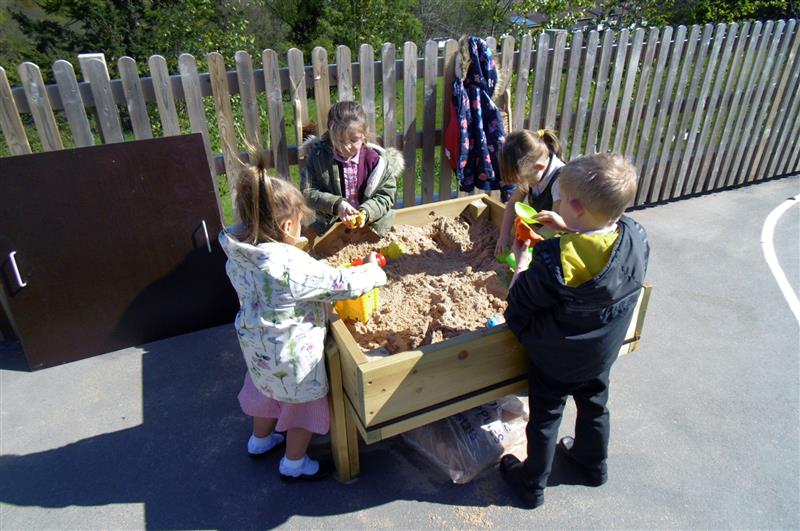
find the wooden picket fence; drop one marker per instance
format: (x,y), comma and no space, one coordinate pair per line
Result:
(696,109)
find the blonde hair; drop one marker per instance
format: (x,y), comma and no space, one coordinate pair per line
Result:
(522,149)
(341,117)
(264,202)
(605,183)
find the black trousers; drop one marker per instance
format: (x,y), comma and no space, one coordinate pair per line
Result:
(547,398)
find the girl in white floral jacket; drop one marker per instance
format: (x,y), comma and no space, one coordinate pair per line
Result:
(285,296)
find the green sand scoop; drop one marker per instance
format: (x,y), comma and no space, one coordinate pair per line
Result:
(525,212)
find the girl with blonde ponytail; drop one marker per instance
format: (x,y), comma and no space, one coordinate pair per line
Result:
(284,297)
(531,161)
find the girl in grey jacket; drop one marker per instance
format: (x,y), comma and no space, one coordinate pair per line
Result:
(347,179)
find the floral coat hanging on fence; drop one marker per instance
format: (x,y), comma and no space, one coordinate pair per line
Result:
(479,122)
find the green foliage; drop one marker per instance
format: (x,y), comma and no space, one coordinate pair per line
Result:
(301,19)
(61,29)
(560,13)
(197,27)
(703,11)
(630,13)
(355,22)
(644,13)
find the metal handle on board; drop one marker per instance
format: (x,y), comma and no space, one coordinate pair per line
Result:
(16,269)
(205,231)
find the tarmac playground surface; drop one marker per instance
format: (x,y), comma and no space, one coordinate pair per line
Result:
(705,417)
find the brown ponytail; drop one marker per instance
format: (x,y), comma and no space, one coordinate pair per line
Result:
(552,141)
(264,202)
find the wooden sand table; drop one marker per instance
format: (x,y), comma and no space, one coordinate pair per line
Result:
(447,283)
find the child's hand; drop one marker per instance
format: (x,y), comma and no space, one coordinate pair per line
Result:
(551,220)
(502,243)
(346,211)
(372,258)
(522,255)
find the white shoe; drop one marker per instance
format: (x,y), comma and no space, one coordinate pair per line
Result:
(259,446)
(309,470)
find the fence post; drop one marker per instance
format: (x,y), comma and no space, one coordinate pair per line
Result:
(645,134)
(134,98)
(410,123)
(706,70)
(538,100)
(556,73)
(344,74)
(613,93)
(758,66)
(598,100)
(703,157)
(789,112)
(649,54)
(716,178)
(73,104)
(42,111)
(14,133)
(164,98)
(647,192)
(389,70)
(448,76)
(775,97)
(247,95)
(190,81)
(567,112)
(583,97)
(631,71)
(297,92)
(277,124)
(744,141)
(521,93)
(676,167)
(366,60)
(659,184)
(322,88)
(95,71)
(227,132)
(429,120)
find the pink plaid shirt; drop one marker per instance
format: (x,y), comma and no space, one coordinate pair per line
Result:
(350,173)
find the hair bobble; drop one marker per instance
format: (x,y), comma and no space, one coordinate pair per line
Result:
(540,132)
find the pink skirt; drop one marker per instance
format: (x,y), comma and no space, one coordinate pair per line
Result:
(311,416)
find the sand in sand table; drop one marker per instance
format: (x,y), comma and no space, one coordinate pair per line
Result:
(447,283)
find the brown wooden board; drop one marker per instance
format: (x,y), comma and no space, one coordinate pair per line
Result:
(110,243)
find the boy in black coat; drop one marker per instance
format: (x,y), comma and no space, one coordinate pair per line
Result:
(570,310)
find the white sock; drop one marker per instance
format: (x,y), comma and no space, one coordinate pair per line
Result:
(260,445)
(295,467)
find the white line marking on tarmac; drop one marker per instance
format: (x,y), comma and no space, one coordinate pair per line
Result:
(771,258)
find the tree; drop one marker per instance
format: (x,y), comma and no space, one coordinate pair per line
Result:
(672,12)
(301,19)
(355,22)
(703,11)
(64,28)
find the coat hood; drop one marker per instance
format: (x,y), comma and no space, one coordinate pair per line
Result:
(395,163)
(246,254)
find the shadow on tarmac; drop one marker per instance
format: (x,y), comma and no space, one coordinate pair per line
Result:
(187,464)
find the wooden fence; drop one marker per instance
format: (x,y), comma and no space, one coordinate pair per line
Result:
(696,109)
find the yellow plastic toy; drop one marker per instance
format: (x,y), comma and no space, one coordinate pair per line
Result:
(393,251)
(361,308)
(358,220)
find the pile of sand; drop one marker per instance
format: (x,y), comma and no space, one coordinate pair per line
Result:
(445,284)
